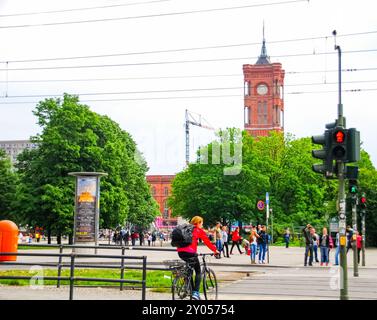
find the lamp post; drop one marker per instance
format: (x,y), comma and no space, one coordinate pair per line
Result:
(341,198)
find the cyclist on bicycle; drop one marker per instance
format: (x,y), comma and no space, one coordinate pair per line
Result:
(190,252)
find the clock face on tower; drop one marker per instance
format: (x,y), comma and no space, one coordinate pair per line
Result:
(262,89)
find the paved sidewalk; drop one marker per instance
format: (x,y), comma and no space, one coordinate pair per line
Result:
(284,278)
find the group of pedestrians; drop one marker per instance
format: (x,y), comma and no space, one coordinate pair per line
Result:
(313,241)
(221,239)
(258,243)
(131,237)
(325,243)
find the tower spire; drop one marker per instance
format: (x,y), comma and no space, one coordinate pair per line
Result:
(263,58)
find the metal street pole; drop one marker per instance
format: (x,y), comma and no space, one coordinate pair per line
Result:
(354,243)
(342,197)
(272,226)
(267,217)
(363,231)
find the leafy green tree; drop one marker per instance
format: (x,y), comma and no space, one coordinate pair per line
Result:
(75,139)
(368,184)
(216,188)
(277,164)
(8,181)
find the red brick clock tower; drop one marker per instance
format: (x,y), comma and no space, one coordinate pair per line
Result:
(263,95)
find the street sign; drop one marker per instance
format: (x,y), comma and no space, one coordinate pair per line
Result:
(260,205)
(267,198)
(334,227)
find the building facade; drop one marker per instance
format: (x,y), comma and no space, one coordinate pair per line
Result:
(263,96)
(161,190)
(13,148)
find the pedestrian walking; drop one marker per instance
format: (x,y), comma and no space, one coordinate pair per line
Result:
(359,243)
(324,243)
(224,241)
(162,239)
(127,237)
(253,244)
(262,244)
(133,238)
(217,236)
(315,244)
(308,245)
(236,240)
(287,237)
(154,239)
(149,239)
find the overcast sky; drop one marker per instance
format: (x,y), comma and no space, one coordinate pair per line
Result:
(156,119)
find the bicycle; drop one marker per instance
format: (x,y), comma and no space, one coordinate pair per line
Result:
(183,282)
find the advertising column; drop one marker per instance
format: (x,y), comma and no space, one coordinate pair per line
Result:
(86,219)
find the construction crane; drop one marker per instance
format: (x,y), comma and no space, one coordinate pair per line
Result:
(196,120)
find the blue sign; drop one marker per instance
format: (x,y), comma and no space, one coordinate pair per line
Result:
(267,198)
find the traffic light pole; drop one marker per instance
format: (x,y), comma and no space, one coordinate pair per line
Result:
(354,243)
(363,231)
(342,197)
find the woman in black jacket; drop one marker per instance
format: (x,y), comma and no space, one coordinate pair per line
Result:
(324,244)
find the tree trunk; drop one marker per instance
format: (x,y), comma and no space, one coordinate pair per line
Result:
(70,239)
(49,236)
(59,239)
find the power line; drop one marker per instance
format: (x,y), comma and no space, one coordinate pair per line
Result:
(152,15)
(128,92)
(181,61)
(79,9)
(194,97)
(174,76)
(183,49)
(178,90)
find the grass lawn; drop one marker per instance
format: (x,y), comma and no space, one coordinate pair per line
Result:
(25,247)
(159,280)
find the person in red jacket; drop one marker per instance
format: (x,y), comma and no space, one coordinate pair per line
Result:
(359,245)
(236,239)
(190,252)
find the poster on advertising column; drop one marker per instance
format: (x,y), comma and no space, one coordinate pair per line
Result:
(85,228)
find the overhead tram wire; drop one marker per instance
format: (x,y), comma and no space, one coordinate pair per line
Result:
(188,97)
(184,49)
(153,15)
(174,76)
(176,90)
(80,9)
(182,61)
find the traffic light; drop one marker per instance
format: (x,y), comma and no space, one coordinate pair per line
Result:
(353,187)
(353,145)
(339,144)
(352,174)
(326,167)
(363,201)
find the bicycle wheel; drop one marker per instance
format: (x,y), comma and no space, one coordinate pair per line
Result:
(181,288)
(210,289)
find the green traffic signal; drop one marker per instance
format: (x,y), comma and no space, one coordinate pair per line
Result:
(353,189)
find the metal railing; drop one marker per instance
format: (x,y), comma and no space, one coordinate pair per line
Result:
(73,264)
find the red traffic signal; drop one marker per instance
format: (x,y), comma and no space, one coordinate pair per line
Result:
(339,136)
(363,200)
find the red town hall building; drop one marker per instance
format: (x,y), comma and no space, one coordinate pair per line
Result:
(161,189)
(263,112)
(263,94)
